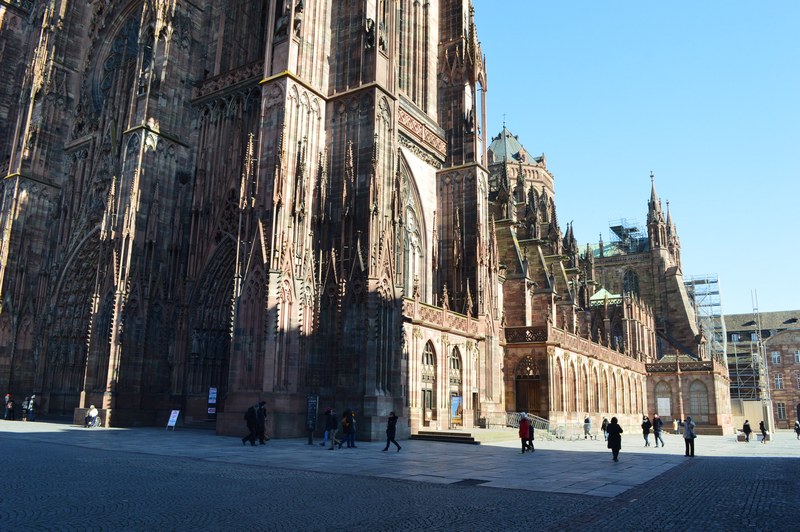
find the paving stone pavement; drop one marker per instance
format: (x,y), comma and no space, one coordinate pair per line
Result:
(61,477)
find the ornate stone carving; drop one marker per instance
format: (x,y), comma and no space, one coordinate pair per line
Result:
(422,132)
(246,75)
(414,148)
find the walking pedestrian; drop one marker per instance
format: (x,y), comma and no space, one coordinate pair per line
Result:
(747,430)
(763,430)
(391,431)
(251,418)
(530,435)
(32,408)
(261,422)
(646,430)
(25,408)
(604,428)
(587,427)
(331,424)
(689,435)
(657,428)
(797,428)
(8,413)
(349,428)
(676,425)
(524,430)
(614,438)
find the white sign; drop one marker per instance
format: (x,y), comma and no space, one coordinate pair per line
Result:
(663,406)
(173,418)
(212,396)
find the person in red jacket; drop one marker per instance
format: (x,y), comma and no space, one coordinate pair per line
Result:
(524,430)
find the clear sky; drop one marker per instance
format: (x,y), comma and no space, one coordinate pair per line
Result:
(705,94)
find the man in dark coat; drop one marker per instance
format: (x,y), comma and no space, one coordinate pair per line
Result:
(391,431)
(251,417)
(261,422)
(657,428)
(331,424)
(747,430)
(614,438)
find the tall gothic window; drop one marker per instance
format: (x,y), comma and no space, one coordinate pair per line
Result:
(630,283)
(455,367)
(428,377)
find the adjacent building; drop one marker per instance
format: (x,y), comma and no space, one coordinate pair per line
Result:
(764,364)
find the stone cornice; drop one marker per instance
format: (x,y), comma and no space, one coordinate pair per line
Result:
(293,77)
(39,180)
(148,129)
(249,74)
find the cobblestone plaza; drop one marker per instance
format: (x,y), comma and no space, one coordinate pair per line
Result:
(62,477)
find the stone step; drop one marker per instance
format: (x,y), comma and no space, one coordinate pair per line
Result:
(445,436)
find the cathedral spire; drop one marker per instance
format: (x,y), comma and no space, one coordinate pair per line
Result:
(654,213)
(656,226)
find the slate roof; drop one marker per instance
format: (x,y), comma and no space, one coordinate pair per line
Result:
(777,321)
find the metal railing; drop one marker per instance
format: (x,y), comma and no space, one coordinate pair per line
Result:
(541,426)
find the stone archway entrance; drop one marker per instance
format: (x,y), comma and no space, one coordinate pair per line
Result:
(528,388)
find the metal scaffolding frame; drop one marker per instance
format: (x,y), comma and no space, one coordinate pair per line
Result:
(704,292)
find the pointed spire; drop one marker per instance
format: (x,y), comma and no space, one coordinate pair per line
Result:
(654,213)
(670,224)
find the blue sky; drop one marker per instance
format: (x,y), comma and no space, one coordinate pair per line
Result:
(705,94)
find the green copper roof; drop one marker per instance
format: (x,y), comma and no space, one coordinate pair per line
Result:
(602,295)
(506,146)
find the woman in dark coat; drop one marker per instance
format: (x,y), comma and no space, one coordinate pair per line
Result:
(391,431)
(614,438)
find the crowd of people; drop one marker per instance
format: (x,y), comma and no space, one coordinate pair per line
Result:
(26,409)
(339,431)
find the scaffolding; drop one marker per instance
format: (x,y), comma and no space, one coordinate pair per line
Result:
(744,368)
(705,295)
(627,236)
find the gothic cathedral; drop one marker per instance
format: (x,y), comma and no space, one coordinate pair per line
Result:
(246,200)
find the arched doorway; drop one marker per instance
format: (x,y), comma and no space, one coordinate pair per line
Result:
(428,384)
(528,392)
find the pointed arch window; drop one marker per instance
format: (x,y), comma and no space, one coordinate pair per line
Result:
(455,367)
(630,283)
